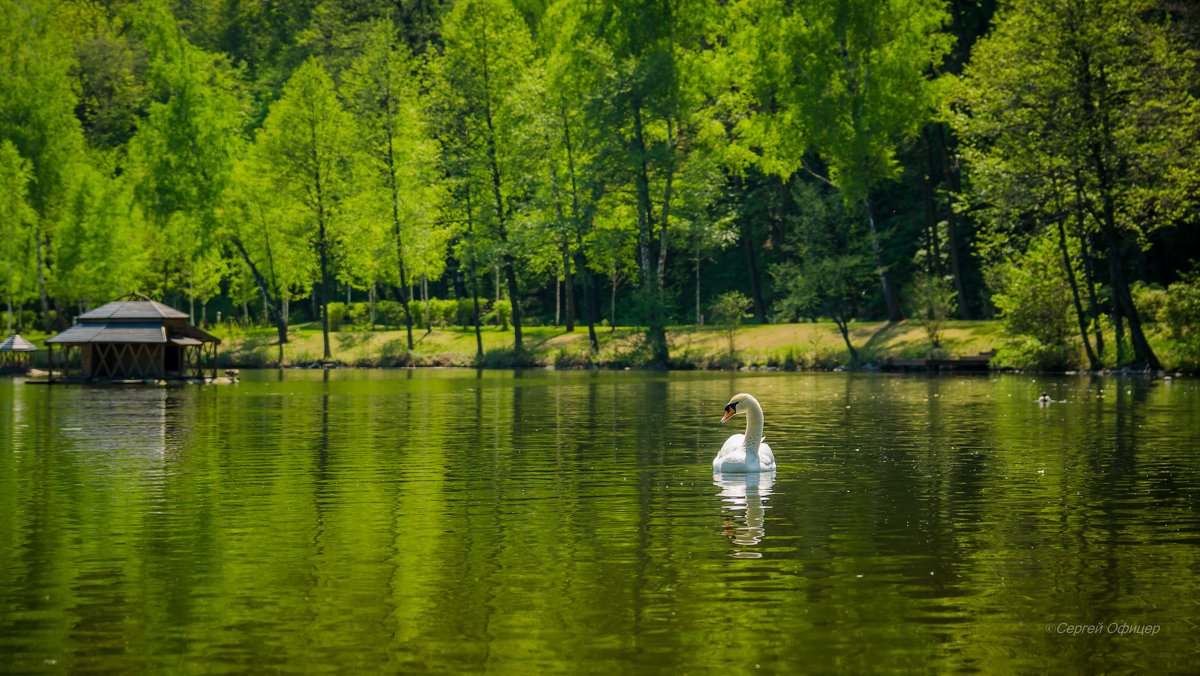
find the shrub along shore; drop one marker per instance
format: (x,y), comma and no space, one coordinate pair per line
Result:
(816,345)
(799,346)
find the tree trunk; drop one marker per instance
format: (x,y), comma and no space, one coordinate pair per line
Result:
(568,285)
(889,294)
(648,258)
(42,264)
(612,305)
(271,306)
(590,309)
(1093,363)
(933,263)
(1120,288)
(475,300)
(425,300)
(953,185)
(474,277)
(510,276)
(748,247)
(1099,117)
(400,263)
(245,299)
(324,260)
(507,257)
(1089,271)
(843,326)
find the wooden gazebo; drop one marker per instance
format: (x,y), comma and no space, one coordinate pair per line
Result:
(16,354)
(135,339)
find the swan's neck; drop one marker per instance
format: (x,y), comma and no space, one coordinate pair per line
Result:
(754,426)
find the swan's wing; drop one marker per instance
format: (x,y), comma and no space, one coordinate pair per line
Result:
(766,456)
(733,443)
(732,450)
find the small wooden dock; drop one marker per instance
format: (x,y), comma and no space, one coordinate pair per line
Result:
(976,363)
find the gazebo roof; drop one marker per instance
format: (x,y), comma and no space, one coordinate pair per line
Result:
(131,310)
(15,343)
(133,321)
(125,332)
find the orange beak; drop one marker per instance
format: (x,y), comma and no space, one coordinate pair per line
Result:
(729,413)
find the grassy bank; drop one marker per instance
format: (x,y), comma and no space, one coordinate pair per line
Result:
(791,346)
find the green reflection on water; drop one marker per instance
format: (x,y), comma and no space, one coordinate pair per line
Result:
(569,521)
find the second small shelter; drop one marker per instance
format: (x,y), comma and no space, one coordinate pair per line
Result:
(130,338)
(16,354)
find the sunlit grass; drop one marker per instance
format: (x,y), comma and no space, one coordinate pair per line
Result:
(807,345)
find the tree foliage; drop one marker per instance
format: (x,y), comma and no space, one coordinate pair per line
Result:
(627,159)
(1082,112)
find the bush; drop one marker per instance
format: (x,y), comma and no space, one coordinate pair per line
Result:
(1181,319)
(297,314)
(1149,301)
(359,314)
(932,302)
(417,309)
(465,314)
(728,310)
(573,358)
(1181,308)
(1030,354)
(500,313)
(442,312)
(337,314)
(389,313)
(505,358)
(1036,308)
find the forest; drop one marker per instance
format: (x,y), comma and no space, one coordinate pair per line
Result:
(591,163)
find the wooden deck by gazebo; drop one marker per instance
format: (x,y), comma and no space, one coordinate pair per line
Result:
(16,354)
(135,339)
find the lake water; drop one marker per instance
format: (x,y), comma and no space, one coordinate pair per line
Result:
(551,521)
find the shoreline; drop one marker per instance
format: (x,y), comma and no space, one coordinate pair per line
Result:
(810,346)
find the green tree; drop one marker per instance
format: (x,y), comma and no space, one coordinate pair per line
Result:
(645,108)
(260,224)
(850,80)
(1032,295)
(381,88)
(830,265)
(1091,100)
(932,302)
(184,149)
(582,166)
(37,113)
(307,148)
(728,311)
(104,244)
(109,74)
(18,219)
(487,48)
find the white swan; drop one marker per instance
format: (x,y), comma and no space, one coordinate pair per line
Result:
(744,453)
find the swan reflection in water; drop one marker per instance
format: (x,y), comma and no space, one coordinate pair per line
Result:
(742,515)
